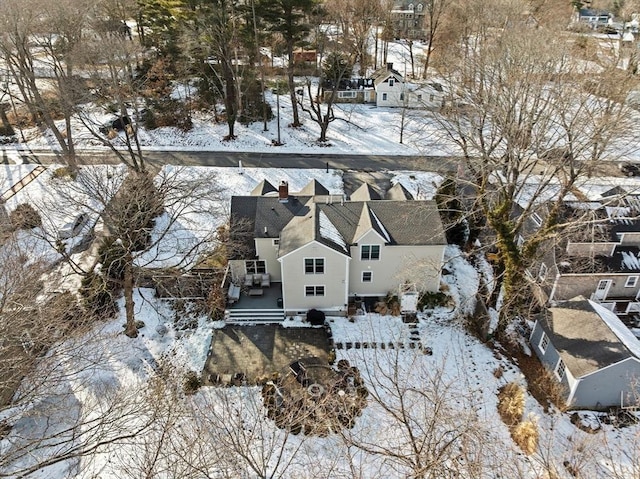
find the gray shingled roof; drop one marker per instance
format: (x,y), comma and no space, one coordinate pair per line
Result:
(260,212)
(404,223)
(297,222)
(398,193)
(301,230)
(582,338)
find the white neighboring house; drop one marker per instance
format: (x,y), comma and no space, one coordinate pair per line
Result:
(324,250)
(393,91)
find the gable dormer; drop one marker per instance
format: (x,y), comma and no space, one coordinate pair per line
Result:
(369,222)
(365,192)
(263,188)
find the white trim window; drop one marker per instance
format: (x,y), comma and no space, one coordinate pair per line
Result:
(276,241)
(314,266)
(255,266)
(542,273)
(314,290)
(367,276)
(560,370)
(537,219)
(347,94)
(544,343)
(631,282)
(391,81)
(370,252)
(384,97)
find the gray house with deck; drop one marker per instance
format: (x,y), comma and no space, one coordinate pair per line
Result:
(591,353)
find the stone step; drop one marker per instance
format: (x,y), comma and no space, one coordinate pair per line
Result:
(255,315)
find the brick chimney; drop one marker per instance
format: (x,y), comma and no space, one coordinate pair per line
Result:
(389,66)
(283,192)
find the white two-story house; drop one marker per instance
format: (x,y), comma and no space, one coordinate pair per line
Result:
(326,250)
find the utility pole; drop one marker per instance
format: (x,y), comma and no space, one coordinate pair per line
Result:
(276,92)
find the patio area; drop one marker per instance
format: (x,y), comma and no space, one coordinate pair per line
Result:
(258,351)
(259,298)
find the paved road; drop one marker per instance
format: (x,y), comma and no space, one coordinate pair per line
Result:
(274,160)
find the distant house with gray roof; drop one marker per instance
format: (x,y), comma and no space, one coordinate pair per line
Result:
(591,353)
(326,250)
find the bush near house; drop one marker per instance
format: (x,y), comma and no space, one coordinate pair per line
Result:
(511,403)
(526,435)
(25,217)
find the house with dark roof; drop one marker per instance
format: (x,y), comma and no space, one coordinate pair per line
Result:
(326,250)
(591,353)
(600,259)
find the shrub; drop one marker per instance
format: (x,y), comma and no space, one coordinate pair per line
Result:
(526,435)
(100,290)
(64,172)
(192,382)
(7,130)
(25,217)
(433,299)
(390,305)
(315,317)
(167,112)
(511,403)
(98,298)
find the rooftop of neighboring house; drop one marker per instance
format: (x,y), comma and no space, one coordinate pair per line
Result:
(381,74)
(587,336)
(611,216)
(333,220)
(593,12)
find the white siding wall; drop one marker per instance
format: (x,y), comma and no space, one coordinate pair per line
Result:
(333,279)
(397,264)
(268,252)
(392,94)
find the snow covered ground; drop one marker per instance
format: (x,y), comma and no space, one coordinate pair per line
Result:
(106,376)
(116,388)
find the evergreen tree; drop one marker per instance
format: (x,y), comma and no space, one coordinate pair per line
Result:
(289,19)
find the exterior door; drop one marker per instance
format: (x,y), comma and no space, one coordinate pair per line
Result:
(602,289)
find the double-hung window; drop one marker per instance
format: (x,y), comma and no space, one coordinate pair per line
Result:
(544,343)
(256,266)
(314,265)
(370,251)
(314,290)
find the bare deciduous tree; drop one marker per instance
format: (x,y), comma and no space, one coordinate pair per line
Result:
(530,122)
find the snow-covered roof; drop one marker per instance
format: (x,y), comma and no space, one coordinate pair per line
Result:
(618,328)
(329,231)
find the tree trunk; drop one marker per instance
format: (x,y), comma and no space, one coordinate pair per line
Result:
(230,99)
(324,126)
(292,86)
(130,328)
(427,60)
